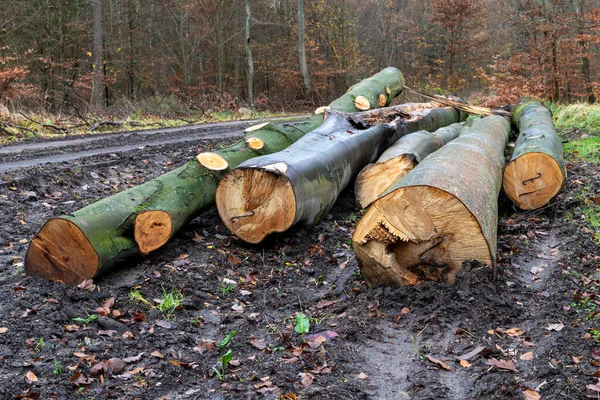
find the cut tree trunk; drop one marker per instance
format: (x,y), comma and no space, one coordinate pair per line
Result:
(92,240)
(300,184)
(440,214)
(397,161)
(536,171)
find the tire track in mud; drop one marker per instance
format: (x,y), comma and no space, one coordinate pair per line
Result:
(24,155)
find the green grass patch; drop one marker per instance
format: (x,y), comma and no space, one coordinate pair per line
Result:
(587,149)
(582,116)
(589,209)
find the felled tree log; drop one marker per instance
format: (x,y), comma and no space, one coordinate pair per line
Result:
(443,212)
(300,184)
(536,171)
(397,161)
(93,239)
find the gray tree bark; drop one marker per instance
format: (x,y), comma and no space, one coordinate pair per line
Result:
(302,48)
(97,53)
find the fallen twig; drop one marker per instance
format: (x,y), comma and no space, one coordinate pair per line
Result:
(44,125)
(8,124)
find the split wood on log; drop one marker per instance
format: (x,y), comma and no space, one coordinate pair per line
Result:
(440,214)
(300,184)
(95,238)
(397,161)
(536,171)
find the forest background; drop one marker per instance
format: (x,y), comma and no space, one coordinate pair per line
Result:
(133,56)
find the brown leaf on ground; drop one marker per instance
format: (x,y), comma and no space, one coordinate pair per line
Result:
(316,342)
(206,345)
(30,377)
(473,353)
(106,307)
(502,364)
(88,285)
(3,330)
(83,356)
(526,356)
(306,378)
(516,331)
(594,388)
(465,364)
(362,375)
(134,371)
(438,362)
(596,354)
(157,354)
(596,374)
(258,343)
(233,260)
(328,335)
(78,379)
(405,310)
(197,238)
(531,394)
(235,363)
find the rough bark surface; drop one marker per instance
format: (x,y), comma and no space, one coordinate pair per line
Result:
(536,171)
(440,214)
(300,184)
(93,239)
(399,160)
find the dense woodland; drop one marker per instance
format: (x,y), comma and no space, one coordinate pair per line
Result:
(122,55)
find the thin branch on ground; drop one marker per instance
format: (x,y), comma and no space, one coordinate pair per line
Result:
(98,124)
(44,125)
(8,124)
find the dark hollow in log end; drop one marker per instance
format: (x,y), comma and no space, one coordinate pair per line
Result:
(153,229)
(417,233)
(61,252)
(250,202)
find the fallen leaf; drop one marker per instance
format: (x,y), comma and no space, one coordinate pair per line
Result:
(472,353)
(30,377)
(596,354)
(88,285)
(235,363)
(596,374)
(238,308)
(362,375)
(107,332)
(306,378)
(206,345)
(526,356)
(3,330)
(83,356)
(577,360)
(555,327)
(328,335)
(258,343)
(465,364)
(157,354)
(233,260)
(438,362)
(502,364)
(511,332)
(197,238)
(106,307)
(594,388)
(531,394)
(133,359)
(134,371)
(164,324)
(245,292)
(319,340)
(78,379)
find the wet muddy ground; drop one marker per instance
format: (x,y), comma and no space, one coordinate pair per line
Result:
(532,331)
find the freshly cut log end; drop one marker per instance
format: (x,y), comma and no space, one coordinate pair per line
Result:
(153,229)
(322,109)
(531,180)
(212,161)
(362,103)
(382,100)
(375,179)
(61,252)
(536,171)
(256,127)
(250,202)
(387,90)
(417,233)
(255,143)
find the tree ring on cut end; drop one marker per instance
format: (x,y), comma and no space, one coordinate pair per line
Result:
(212,161)
(362,103)
(254,143)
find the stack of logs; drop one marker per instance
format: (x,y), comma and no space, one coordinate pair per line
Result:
(430,181)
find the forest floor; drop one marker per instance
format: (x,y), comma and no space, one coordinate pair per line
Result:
(532,331)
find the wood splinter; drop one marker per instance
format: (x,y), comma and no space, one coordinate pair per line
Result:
(440,214)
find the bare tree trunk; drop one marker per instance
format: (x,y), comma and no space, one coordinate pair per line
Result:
(97,54)
(249,55)
(302,48)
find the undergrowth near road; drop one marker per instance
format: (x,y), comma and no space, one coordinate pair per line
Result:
(22,126)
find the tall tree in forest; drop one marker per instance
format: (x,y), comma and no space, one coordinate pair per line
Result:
(97,53)
(302,47)
(249,56)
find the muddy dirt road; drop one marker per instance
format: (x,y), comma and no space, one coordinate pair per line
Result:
(531,331)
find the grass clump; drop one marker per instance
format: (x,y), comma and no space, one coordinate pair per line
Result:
(169,302)
(582,116)
(587,149)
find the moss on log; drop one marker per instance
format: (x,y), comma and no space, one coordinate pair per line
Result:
(536,171)
(271,193)
(95,238)
(442,213)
